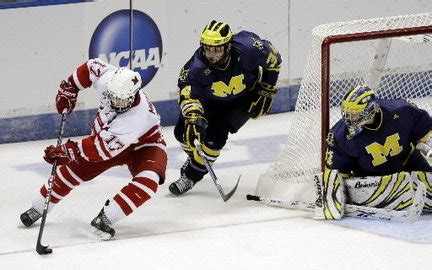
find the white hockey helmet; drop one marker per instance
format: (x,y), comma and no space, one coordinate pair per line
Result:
(122,88)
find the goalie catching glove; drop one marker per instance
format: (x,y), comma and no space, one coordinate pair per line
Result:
(262,105)
(63,153)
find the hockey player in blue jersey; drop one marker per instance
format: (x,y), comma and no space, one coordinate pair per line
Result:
(377,136)
(377,155)
(229,79)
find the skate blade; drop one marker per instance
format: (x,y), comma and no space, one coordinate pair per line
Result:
(102,235)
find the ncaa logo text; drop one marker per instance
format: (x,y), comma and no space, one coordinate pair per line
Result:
(111,43)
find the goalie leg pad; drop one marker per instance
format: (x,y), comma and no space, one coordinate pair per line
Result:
(426,179)
(394,191)
(330,195)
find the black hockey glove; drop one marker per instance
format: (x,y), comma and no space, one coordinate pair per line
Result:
(264,101)
(195,127)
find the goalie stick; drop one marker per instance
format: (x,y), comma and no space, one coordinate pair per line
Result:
(410,215)
(41,249)
(225,196)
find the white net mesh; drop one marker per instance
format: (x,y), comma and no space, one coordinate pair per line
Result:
(399,67)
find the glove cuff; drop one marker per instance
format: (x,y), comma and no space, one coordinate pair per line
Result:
(267,90)
(196,119)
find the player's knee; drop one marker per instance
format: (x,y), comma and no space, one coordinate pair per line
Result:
(149,181)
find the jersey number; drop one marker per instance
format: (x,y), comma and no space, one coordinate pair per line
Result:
(113,143)
(236,85)
(381,152)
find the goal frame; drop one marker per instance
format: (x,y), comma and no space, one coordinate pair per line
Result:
(325,68)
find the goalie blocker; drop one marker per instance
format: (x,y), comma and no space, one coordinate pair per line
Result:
(400,192)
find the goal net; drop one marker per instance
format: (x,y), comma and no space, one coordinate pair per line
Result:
(392,55)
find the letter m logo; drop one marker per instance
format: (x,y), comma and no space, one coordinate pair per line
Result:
(380,152)
(236,85)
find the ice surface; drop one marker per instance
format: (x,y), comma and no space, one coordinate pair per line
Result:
(198,230)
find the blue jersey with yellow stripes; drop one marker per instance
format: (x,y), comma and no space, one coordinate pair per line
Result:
(248,53)
(383,150)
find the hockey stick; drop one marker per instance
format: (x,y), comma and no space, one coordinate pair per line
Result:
(410,215)
(41,249)
(225,196)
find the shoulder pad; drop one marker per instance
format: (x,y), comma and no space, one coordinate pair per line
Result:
(395,105)
(194,68)
(247,42)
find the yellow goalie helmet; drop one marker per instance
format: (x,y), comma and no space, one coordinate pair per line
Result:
(358,107)
(216,34)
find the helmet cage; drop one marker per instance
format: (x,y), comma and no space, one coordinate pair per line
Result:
(120,105)
(358,108)
(206,49)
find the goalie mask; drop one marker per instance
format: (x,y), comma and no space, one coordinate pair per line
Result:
(215,43)
(358,108)
(122,88)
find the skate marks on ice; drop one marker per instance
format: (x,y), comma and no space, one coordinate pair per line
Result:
(418,232)
(133,231)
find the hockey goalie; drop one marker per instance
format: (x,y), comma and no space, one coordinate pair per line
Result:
(376,159)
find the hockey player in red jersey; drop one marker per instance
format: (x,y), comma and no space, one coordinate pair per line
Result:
(126,131)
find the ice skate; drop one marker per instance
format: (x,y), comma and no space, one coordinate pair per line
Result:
(181,186)
(102,225)
(30,216)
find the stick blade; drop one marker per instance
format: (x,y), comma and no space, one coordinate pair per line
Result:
(250,197)
(43,250)
(226,197)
